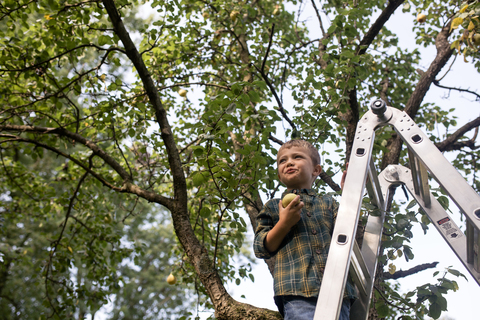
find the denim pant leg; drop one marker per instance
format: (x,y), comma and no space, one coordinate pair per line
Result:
(299,308)
(345,310)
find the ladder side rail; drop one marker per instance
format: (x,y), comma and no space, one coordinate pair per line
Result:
(467,200)
(442,221)
(337,266)
(338,262)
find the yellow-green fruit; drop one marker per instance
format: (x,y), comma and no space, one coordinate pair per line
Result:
(476,39)
(234,14)
(287,199)
(182,92)
(276,11)
(171,279)
(421,18)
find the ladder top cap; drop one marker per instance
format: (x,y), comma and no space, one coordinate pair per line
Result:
(378,107)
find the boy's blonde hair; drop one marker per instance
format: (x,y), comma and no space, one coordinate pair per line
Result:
(300,143)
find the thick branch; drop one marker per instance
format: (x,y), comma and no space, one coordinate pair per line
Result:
(444,52)
(328,180)
(413,104)
(378,25)
(73,136)
(128,187)
(452,143)
(409,272)
(180,186)
(352,116)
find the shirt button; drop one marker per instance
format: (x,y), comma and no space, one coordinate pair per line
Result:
(322,270)
(309,214)
(314,231)
(318,251)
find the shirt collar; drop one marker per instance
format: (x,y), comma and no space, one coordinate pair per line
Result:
(310,192)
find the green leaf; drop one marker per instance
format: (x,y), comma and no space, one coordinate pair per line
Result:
(435,310)
(198,178)
(383,310)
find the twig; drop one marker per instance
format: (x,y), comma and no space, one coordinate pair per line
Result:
(437,83)
(268,48)
(319,18)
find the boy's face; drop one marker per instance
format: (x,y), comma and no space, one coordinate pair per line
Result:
(296,169)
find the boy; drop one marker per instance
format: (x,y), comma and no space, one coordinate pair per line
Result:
(298,235)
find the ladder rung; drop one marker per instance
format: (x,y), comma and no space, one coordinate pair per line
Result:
(473,245)
(420,178)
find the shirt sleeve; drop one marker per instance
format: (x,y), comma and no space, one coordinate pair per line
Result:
(265,222)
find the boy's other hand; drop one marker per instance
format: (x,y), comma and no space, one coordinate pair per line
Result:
(344,177)
(290,215)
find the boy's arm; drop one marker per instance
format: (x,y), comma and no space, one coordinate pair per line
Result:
(288,217)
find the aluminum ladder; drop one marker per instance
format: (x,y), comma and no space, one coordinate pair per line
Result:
(345,256)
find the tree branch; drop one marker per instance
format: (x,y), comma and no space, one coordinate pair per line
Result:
(377,26)
(437,83)
(268,48)
(444,52)
(413,104)
(402,274)
(452,143)
(180,186)
(128,186)
(275,95)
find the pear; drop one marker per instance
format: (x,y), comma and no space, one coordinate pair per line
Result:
(171,279)
(182,92)
(287,199)
(476,39)
(276,11)
(234,14)
(421,18)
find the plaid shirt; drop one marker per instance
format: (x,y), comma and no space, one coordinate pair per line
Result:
(302,256)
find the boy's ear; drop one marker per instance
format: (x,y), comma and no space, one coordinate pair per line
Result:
(317,170)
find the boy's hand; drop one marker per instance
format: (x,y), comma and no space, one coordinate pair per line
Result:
(290,215)
(344,177)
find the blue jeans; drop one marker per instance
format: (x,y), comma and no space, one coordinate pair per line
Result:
(300,308)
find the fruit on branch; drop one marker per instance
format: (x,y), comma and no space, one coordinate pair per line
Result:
(171,279)
(182,92)
(234,14)
(276,11)
(476,39)
(421,18)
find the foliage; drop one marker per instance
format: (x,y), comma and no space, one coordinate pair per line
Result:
(105,110)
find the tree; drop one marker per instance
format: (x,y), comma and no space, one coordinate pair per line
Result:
(182,112)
